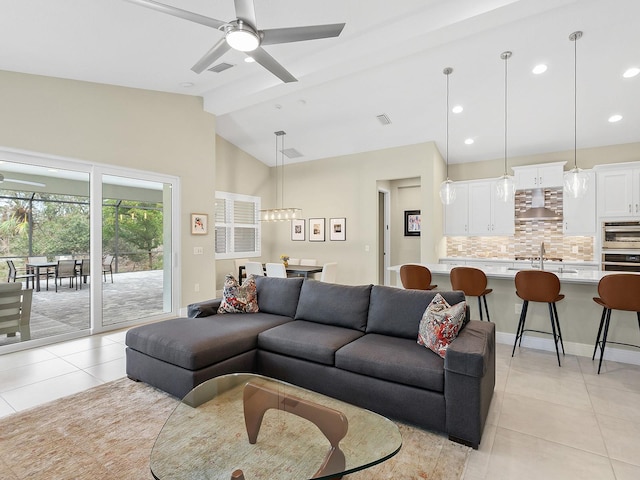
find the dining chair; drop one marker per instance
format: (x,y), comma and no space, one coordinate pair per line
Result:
(15,274)
(239,262)
(416,277)
(329,271)
(15,310)
(276,270)
(107,267)
(254,268)
(294,261)
(47,272)
(309,262)
(66,269)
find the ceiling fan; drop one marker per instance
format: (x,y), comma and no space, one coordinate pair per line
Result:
(24,182)
(242,34)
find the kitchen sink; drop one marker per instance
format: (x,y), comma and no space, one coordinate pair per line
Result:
(546,269)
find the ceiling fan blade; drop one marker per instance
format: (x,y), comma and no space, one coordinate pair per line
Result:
(211,56)
(300,34)
(270,63)
(24,182)
(246,12)
(178,12)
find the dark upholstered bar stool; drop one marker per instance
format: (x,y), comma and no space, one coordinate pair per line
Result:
(539,286)
(416,277)
(619,291)
(473,282)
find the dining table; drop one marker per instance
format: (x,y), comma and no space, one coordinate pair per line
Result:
(36,266)
(292,270)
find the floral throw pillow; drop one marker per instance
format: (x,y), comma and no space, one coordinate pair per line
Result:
(440,324)
(238,298)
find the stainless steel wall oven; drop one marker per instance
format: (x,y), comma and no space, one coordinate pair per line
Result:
(621,246)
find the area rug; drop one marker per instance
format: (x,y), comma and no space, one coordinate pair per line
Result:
(108,432)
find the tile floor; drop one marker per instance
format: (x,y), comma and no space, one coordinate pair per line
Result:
(545,422)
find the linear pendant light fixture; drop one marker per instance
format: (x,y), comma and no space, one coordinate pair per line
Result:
(281,214)
(505,185)
(575,180)
(447,188)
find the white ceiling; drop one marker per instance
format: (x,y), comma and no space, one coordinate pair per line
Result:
(389,59)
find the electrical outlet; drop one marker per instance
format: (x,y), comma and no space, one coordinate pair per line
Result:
(575,249)
(518,308)
(198,250)
(196,287)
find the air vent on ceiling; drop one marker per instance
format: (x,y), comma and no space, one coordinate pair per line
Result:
(384,119)
(221,67)
(291,153)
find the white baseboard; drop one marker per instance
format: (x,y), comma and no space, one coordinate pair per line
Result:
(579,349)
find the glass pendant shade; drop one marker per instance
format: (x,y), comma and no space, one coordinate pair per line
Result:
(505,188)
(447,192)
(576,182)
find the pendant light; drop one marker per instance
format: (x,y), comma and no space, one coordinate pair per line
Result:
(447,188)
(505,186)
(281,214)
(576,180)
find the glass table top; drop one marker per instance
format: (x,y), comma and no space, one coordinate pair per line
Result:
(297,434)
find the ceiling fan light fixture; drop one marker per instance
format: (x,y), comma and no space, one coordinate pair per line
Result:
(242,37)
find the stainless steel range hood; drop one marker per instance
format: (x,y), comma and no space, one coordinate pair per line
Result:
(538,211)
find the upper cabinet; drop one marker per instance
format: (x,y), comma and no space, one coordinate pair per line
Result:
(476,211)
(456,214)
(547,175)
(579,216)
(619,190)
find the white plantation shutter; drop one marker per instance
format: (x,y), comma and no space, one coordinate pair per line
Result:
(237,225)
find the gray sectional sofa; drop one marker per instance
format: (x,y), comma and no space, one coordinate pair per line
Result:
(354,343)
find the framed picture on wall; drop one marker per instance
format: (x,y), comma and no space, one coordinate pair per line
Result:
(297,230)
(316,229)
(338,229)
(412,223)
(199,223)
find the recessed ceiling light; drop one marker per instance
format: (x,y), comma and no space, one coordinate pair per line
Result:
(186,84)
(249,59)
(631,72)
(469,141)
(538,69)
(615,118)
(457,109)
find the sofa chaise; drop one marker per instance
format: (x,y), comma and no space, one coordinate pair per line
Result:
(354,343)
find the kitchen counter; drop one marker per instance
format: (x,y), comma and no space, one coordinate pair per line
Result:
(579,315)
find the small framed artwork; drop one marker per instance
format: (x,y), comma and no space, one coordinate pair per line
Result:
(297,230)
(316,229)
(412,226)
(338,229)
(199,223)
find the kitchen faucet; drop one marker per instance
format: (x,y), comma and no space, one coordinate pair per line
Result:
(542,252)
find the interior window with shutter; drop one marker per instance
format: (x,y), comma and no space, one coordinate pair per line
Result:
(237,225)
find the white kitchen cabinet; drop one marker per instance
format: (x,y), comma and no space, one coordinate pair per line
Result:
(579,214)
(487,214)
(618,191)
(456,215)
(549,175)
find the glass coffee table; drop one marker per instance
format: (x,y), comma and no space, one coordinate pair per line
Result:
(250,427)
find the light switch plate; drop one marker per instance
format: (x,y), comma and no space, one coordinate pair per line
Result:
(198,250)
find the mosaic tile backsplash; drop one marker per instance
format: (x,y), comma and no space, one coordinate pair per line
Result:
(525,243)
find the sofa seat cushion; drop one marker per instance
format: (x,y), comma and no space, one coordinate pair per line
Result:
(311,341)
(195,343)
(395,359)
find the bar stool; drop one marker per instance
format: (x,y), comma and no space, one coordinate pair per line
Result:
(544,287)
(620,291)
(473,282)
(416,277)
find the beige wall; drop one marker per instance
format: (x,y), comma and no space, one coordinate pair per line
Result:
(346,186)
(586,158)
(141,129)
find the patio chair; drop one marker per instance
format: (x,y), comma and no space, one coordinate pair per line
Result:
(85,271)
(66,269)
(107,267)
(48,272)
(15,310)
(15,274)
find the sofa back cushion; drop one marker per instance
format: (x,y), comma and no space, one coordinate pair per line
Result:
(397,312)
(334,304)
(278,295)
